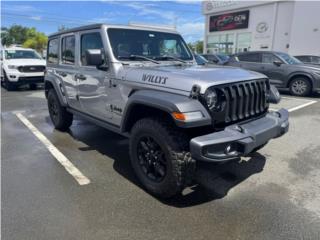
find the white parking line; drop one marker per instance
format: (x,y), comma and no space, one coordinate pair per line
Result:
(70,168)
(296,98)
(301,106)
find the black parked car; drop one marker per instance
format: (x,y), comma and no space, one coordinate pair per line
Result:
(216,58)
(308,59)
(200,60)
(284,71)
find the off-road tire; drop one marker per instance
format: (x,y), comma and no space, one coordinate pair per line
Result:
(60,117)
(301,80)
(175,146)
(7,84)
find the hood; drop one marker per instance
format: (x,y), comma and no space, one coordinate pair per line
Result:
(184,77)
(26,62)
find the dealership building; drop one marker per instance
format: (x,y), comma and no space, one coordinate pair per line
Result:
(287,26)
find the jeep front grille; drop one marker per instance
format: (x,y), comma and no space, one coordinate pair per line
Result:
(31,68)
(242,100)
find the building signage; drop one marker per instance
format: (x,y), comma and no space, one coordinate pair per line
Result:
(229,21)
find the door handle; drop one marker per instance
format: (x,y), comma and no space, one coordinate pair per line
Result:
(62,74)
(80,77)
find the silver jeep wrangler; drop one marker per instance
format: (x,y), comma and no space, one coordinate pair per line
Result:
(143,83)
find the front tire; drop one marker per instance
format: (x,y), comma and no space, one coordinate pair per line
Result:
(60,117)
(7,84)
(160,157)
(300,86)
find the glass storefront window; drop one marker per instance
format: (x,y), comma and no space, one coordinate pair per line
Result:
(243,42)
(222,43)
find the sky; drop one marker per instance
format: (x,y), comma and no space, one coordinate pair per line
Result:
(47,16)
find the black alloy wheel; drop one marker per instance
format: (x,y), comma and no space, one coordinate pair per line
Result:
(152,159)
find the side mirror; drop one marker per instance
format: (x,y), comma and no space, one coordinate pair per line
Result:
(274,95)
(95,57)
(278,63)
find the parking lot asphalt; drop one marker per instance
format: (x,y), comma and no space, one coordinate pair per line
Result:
(275,194)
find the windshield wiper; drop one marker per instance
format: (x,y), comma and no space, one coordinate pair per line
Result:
(138,56)
(171,57)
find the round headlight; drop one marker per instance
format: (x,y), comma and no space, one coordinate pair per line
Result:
(211,98)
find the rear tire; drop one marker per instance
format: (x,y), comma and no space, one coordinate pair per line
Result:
(167,168)
(60,117)
(300,86)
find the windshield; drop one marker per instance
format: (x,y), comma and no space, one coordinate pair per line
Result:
(149,44)
(316,60)
(223,57)
(19,54)
(289,59)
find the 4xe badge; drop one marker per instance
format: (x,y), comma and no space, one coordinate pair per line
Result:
(154,79)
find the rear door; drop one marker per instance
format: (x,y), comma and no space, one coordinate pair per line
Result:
(276,73)
(250,61)
(68,68)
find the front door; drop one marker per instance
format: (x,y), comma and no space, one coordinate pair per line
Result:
(93,84)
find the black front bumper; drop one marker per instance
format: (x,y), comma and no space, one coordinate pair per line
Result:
(239,139)
(29,80)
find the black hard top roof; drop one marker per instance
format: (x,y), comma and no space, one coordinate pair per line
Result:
(82,28)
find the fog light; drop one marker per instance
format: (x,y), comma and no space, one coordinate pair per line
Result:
(231,149)
(12,76)
(228,149)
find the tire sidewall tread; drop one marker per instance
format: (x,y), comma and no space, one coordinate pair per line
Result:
(309,87)
(65,118)
(175,144)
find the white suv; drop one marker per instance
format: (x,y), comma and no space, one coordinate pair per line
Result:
(21,66)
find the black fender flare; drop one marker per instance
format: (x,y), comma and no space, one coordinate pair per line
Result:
(57,85)
(167,102)
(299,73)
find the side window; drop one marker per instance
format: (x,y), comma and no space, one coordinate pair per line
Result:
(269,58)
(1,57)
(68,50)
(213,58)
(53,49)
(250,57)
(89,41)
(304,59)
(316,59)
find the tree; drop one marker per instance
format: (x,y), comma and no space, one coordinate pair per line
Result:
(36,40)
(199,47)
(16,34)
(190,45)
(27,37)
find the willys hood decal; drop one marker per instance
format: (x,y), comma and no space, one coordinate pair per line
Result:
(184,77)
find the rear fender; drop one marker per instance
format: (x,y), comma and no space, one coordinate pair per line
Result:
(55,82)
